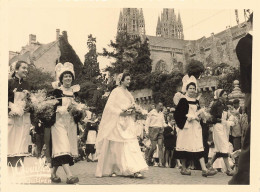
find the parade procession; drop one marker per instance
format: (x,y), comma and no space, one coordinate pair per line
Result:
(165,110)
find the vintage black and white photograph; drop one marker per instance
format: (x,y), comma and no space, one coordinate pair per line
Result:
(128,95)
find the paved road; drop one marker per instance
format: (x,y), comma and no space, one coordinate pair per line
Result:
(155,175)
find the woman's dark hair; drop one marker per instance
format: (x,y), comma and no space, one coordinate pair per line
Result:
(221,92)
(191,83)
(124,76)
(64,73)
(18,65)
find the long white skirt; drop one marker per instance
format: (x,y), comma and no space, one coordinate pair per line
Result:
(122,158)
(220,138)
(190,138)
(18,135)
(64,136)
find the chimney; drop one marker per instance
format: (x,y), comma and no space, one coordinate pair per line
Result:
(65,36)
(32,39)
(57,34)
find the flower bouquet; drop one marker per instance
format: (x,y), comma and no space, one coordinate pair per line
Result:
(77,111)
(43,107)
(137,110)
(20,104)
(200,114)
(204,114)
(17,108)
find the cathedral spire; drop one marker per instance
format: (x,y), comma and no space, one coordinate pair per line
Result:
(158,28)
(179,19)
(180,27)
(131,20)
(120,23)
(168,25)
(141,23)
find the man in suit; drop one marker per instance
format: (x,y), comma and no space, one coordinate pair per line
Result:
(244,55)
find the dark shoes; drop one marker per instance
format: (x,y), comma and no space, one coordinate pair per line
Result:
(55,179)
(72,180)
(185,172)
(210,172)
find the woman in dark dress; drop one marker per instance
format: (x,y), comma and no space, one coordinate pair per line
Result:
(189,145)
(18,125)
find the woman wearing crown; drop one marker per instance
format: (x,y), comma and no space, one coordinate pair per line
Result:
(117,146)
(189,145)
(64,130)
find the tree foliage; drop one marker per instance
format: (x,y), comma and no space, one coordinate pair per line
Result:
(164,86)
(91,66)
(39,79)
(226,81)
(195,68)
(68,54)
(129,53)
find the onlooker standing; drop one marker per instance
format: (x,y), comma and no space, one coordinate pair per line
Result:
(90,135)
(170,136)
(236,131)
(155,123)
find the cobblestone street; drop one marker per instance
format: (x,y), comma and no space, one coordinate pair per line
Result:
(155,175)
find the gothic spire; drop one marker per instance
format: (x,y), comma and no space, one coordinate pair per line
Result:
(120,24)
(179,19)
(158,28)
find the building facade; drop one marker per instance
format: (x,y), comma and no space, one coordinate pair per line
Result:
(171,52)
(43,56)
(169,26)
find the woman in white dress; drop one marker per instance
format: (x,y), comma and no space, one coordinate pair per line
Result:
(64,130)
(117,147)
(189,145)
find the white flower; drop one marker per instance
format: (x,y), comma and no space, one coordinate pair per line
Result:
(17,108)
(62,110)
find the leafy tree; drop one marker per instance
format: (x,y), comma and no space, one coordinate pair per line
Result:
(129,53)
(91,66)
(68,54)
(39,79)
(226,82)
(195,68)
(142,63)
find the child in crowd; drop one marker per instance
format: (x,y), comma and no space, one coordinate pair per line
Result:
(170,136)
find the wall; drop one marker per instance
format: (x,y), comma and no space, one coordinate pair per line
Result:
(48,60)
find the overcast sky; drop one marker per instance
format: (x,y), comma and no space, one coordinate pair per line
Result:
(82,20)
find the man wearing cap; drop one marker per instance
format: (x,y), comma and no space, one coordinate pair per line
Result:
(244,55)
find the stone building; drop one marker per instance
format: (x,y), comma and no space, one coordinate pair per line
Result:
(44,56)
(171,52)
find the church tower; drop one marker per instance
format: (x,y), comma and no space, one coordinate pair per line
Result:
(169,25)
(131,20)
